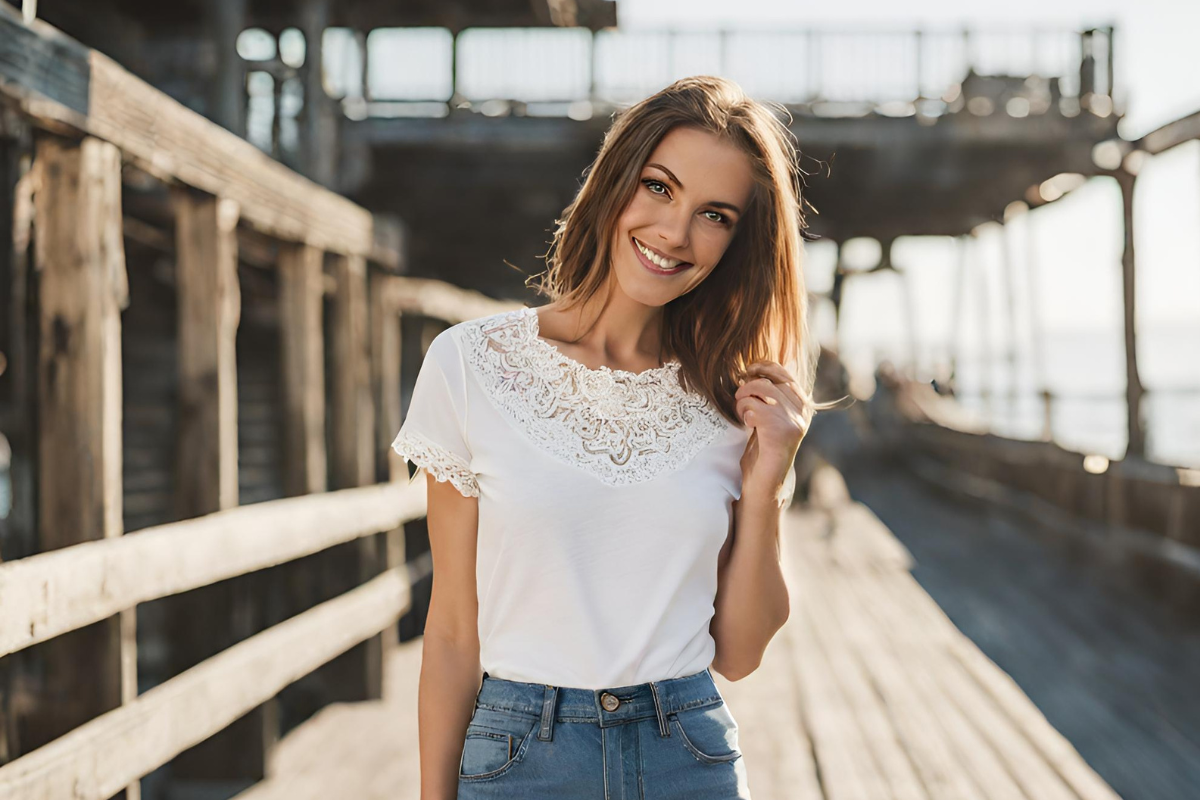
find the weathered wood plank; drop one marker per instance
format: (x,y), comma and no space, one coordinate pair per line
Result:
(385,378)
(353,412)
(49,594)
(1172,134)
(83,287)
(208,313)
(206,622)
(874,749)
(1013,703)
(68,87)
(98,758)
(434,298)
(357,675)
(40,61)
(302,345)
(912,720)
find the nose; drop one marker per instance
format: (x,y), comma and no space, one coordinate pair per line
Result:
(673,233)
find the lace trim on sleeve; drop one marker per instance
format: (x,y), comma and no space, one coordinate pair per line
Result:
(437,461)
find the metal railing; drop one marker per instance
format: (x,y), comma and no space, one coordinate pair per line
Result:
(547,71)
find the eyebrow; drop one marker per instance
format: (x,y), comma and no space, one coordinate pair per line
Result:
(715,203)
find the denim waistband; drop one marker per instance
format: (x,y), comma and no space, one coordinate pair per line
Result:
(655,699)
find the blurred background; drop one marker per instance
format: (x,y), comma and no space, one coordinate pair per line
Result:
(229,230)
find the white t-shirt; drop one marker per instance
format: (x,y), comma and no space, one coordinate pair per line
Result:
(604,498)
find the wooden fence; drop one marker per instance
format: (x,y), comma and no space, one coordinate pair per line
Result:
(93,131)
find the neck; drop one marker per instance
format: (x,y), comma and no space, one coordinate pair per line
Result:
(616,328)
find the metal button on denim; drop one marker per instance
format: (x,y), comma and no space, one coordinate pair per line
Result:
(609,701)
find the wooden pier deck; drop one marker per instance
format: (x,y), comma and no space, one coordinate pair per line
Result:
(869,692)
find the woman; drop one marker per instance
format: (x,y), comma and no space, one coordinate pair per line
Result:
(609,470)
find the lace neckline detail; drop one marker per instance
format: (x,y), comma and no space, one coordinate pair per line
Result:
(620,426)
(668,368)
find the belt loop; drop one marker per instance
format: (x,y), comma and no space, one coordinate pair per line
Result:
(663,728)
(479,691)
(546,733)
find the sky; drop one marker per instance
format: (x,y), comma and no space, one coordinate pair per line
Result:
(1077,240)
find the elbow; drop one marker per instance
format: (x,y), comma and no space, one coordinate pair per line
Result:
(735,672)
(744,664)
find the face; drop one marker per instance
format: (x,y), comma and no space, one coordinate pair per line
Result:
(691,194)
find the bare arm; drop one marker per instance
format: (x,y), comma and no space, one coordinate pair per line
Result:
(752,596)
(450,669)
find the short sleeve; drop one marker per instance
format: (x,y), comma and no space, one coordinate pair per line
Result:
(433,433)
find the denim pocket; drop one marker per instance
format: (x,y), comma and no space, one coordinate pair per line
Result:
(710,733)
(495,741)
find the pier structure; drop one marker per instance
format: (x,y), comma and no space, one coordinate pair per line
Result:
(220,265)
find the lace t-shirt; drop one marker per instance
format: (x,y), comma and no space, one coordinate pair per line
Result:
(604,498)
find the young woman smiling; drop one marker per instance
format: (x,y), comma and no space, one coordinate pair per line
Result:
(608,472)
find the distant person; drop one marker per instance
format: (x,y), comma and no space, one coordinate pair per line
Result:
(609,471)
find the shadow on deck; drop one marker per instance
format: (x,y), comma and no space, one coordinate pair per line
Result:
(869,691)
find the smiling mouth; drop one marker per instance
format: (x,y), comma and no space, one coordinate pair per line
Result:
(654,262)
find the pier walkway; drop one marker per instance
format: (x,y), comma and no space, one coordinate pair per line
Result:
(869,692)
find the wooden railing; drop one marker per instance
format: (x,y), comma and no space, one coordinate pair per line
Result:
(93,130)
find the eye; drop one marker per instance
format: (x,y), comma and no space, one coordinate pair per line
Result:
(724,220)
(650,182)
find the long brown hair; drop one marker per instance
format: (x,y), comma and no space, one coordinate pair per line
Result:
(753,305)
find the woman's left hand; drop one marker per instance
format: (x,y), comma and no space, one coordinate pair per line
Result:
(773,403)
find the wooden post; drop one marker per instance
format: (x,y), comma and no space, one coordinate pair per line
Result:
(1133,381)
(1038,356)
(209,311)
(385,379)
(302,349)
(910,322)
(985,331)
(385,383)
(358,674)
(320,129)
(836,292)
(1014,334)
(957,334)
(353,408)
(213,618)
(228,90)
(83,287)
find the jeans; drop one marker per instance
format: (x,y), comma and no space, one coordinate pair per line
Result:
(663,740)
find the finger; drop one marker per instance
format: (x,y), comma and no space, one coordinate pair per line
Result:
(781,377)
(752,405)
(779,374)
(773,392)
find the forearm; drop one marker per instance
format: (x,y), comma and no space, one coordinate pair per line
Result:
(450,676)
(753,602)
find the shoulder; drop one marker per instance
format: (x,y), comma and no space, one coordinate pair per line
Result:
(508,326)
(458,334)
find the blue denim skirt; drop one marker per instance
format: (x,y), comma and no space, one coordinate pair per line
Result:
(663,740)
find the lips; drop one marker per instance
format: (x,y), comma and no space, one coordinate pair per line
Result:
(650,265)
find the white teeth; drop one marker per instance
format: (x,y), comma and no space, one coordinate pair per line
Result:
(665,263)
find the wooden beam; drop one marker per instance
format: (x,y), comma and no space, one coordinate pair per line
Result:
(302,338)
(353,416)
(1171,135)
(49,594)
(208,314)
(207,621)
(438,299)
(83,287)
(98,758)
(1133,380)
(358,674)
(385,376)
(69,88)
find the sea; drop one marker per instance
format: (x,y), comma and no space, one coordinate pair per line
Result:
(1085,372)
